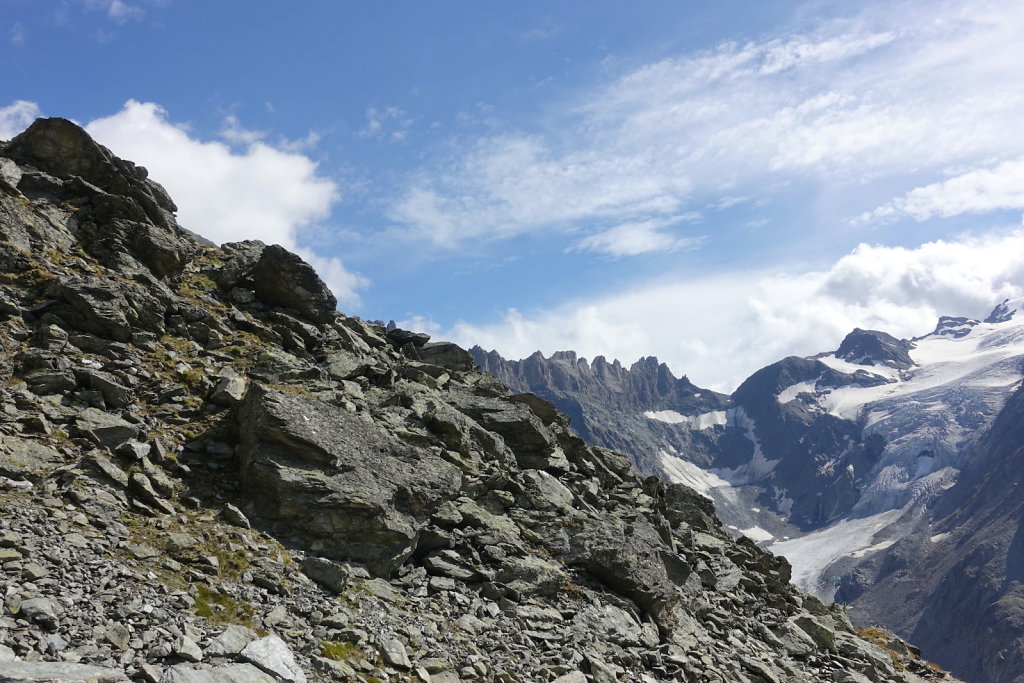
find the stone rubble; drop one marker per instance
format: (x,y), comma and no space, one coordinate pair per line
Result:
(210,475)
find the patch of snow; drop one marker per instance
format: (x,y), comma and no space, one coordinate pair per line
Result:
(811,555)
(873,548)
(683,472)
(791,392)
(757,534)
(939,537)
(702,421)
(850,368)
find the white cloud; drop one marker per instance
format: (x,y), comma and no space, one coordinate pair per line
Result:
(117,10)
(977,191)
(390,123)
(638,237)
(16,117)
(121,12)
(719,330)
(895,91)
(234,132)
(262,193)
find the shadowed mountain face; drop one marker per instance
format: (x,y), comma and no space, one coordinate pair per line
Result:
(957,584)
(209,475)
(896,461)
(606,403)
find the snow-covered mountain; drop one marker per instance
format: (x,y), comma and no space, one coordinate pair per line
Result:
(833,460)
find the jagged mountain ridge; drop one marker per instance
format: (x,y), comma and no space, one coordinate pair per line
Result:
(208,474)
(851,446)
(598,395)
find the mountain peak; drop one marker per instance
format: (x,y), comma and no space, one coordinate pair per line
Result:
(1005,311)
(871,347)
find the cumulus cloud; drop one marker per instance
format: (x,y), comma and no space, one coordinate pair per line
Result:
(262,193)
(16,117)
(977,191)
(894,91)
(719,330)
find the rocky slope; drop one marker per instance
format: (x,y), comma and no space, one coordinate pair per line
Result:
(208,474)
(668,426)
(857,449)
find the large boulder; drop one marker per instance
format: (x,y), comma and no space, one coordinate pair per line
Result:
(345,486)
(62,672)
(284,279)
(108,308)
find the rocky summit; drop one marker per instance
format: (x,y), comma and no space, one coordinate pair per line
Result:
(210,475)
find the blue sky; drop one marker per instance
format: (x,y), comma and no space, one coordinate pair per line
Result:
(718,184)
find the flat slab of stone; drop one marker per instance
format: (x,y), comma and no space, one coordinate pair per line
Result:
(271,654)
(48,672)
(21,457)
(229,673)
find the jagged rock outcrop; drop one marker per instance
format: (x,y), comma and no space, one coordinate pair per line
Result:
(606,403)
(871,347)
(208,474)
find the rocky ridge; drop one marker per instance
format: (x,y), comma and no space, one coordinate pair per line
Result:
(208,474)
(606,402)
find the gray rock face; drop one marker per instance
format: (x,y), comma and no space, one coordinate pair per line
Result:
(283,279)
(229,673)
(871,347)
(272,655)
(358,491)
(231,641)
(447,355)
(57,672)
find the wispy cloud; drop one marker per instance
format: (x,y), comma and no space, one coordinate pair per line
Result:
(234,132)
(892,92)
(16,117)
(720,329)
(389,123)
(117,11)
(544,31)
(18,34)
(640,237)
(978,191)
